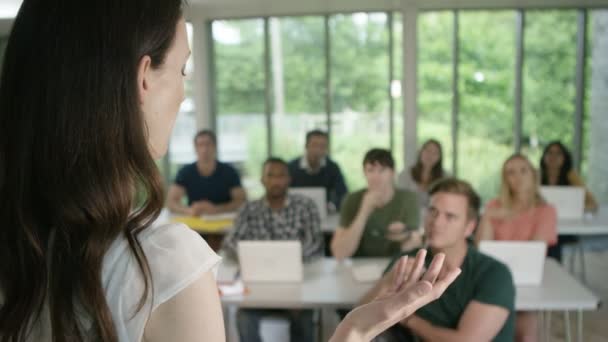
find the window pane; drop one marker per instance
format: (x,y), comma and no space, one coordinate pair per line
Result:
(298,75)
(549,80)
(359,73)
(240,105)
(487,59)
(595,144)
(435,75)
(395,91)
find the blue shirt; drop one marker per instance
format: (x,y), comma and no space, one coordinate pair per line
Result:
(214,188)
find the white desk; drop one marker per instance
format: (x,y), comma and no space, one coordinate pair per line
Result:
(595,225)
(330,284)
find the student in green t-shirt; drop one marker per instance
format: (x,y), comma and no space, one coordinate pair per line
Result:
(479,304)
(379,220)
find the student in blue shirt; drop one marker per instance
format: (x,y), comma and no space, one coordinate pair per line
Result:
(212,187)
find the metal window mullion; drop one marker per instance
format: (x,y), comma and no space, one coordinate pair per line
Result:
(455,89)
(518,91)
(328,92)
(581,56)
(212,67)
(267,87)
(391,102)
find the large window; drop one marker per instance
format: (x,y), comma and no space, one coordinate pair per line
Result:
(435,77)
(297,50)
(359,89)
(548,80)
(486,68)
(240,103)
(276,78)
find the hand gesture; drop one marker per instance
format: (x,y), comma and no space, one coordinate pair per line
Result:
(407,288)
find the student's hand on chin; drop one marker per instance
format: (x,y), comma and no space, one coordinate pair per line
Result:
(397,232)
(407,289)
(371,199)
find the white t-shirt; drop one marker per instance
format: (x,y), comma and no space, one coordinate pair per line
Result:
(177,256)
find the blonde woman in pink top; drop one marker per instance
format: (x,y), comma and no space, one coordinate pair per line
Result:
(519,213)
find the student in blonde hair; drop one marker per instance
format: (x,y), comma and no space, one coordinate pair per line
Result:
(519,213)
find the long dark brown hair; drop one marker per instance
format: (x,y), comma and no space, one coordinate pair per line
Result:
(563,171)
(73,156)
(436,170)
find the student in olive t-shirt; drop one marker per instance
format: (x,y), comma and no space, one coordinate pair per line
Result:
(377,221)
(479,305)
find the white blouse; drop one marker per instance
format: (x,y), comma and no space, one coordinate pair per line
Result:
(177,256)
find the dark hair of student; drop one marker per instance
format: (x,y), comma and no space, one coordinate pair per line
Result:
(206,133)
(274,160)
(564,170)
(379,156)
(315,133)
(436,171)
(73,157)
(459,187)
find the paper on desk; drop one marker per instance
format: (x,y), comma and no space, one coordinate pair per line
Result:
(367,272)
(219,217)
(235,289)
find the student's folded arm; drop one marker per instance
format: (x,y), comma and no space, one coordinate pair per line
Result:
(479,322)
(194,314)
(174,199)
(238,196)
(546,227)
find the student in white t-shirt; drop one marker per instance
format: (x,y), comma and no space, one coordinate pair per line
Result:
(88,96)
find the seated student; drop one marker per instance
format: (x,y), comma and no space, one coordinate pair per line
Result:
(521,214)
(316,169)
(212,187)
(277,216)
(427,170)
(479,304)
(376,221)
(556,169)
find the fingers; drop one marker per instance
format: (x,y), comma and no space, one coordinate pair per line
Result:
(399,273)
(417,268)
(442,283)
(434,269)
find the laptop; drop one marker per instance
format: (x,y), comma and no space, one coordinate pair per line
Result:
(569,201)
(525,259)
(317,194)
(270,261)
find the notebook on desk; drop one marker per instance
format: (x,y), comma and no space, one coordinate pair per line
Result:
(525,259)
(569,201)
(317,194)
(270,261)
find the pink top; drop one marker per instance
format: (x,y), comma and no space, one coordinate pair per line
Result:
(540,220)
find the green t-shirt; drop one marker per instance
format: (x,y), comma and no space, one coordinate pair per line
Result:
(483,279)
(403,207)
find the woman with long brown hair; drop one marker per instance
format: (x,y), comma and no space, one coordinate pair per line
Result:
(427,170)
(88,96)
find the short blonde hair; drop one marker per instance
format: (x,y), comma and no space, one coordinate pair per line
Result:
(506,194)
